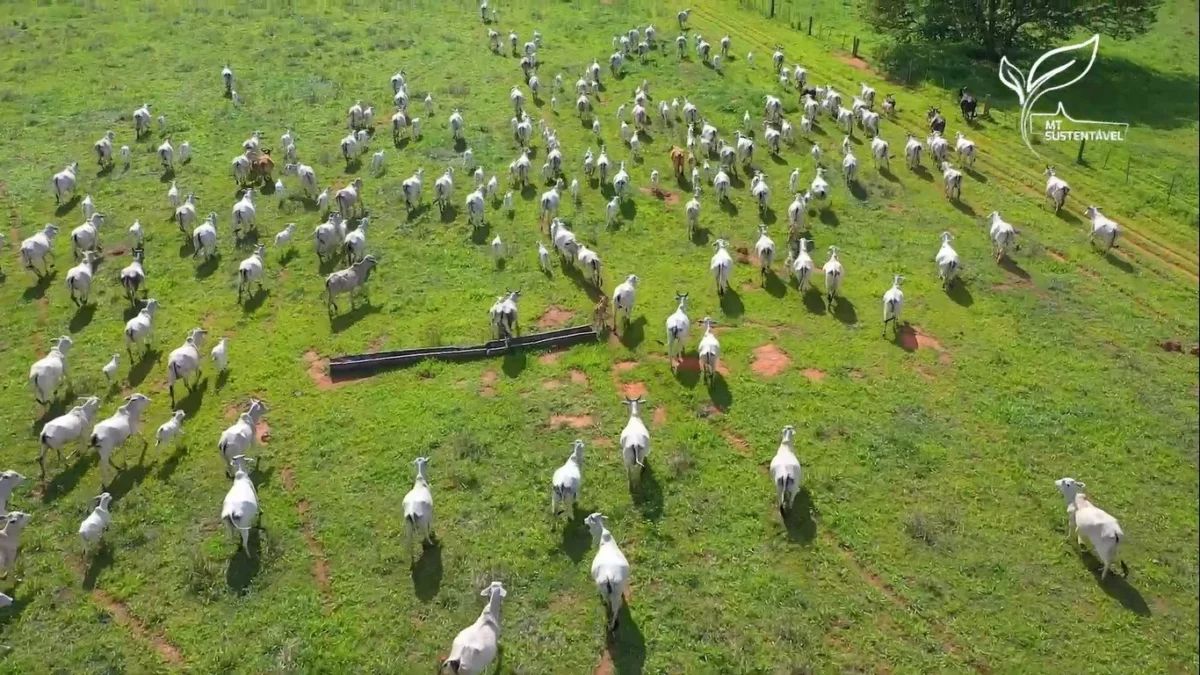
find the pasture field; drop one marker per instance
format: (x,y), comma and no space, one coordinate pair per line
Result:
(929,536)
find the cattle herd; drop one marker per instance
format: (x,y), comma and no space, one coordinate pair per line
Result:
(704,159)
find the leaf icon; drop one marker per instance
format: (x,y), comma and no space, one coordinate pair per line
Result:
(1013,78)
(1036,82)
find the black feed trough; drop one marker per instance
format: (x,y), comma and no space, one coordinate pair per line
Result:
(359,365)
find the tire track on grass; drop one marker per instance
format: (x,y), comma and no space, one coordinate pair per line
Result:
(120,613)
(1171,258)
(320,567)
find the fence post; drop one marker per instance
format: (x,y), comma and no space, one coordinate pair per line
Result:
(1128,159)
(810,26)
(855,51)
(772,9)
(1171,189)
(1079,155)
(1106,156)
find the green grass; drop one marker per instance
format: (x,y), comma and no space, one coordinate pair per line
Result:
(933,540)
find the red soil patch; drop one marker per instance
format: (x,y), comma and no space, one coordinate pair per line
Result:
(1056,255)
(602,442)
(691,364)
(578,377)
(855,62)
(288,476)
(263,431)
(551,384)
(742,255)
(769,361)
(572,421)
(633,390)
(912,338)
(738,443)
(318,370)
(120,613)
(748,287)
(660,415)
(488,378)
(623,367)
(814,374)
(554,317)
(549,358)
(669,198)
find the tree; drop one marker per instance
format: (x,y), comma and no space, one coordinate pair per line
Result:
(997,26)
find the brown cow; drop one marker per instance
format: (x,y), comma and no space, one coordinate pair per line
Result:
(263,167)
(678,157)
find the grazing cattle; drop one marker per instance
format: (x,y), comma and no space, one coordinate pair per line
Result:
(966,103)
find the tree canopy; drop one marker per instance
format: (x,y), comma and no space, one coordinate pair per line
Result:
(997,26)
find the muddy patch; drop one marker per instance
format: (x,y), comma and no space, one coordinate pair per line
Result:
(549,358)
(577,377)
(571,421)
(633,390)
(814,374)
(488,381)
(769,361)
(660,415)
(120,613)
(738,443)
(555,317)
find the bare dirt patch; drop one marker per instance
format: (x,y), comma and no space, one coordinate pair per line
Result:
(691,364)
(669,198)
(623,367)
(231,413)
(263,431)
(288,475)
(551,384)
(633,390)
(738,443)
(577,377)
(549,358)
(814,374)
(742,255)
(377,343)
(488,379)
(855,62)
(660,415)
(555,317)
(602,442)
(1057,255)
(913,338)
(769,361)
(318,370)
(572,421)
(120,613)
(1171,346)
(605,666)
(895,208)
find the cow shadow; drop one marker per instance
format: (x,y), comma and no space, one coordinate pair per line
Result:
(38,290)
(843,310)
(634,333)
(731,304)
(140,369)
(1118,262)
(82,317)
(801,527)
(963,207)
(647,494)
(1114,585)
(427,571)
(191,401)
(66,206)
(960,294)
(245,565)
(101,560)
(64,481)
(341,322)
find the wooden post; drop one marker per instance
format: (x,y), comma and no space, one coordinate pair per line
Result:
(772,9)
(1106,156)
(1128,159)
(810,26)
(854,53)
(1079,155)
